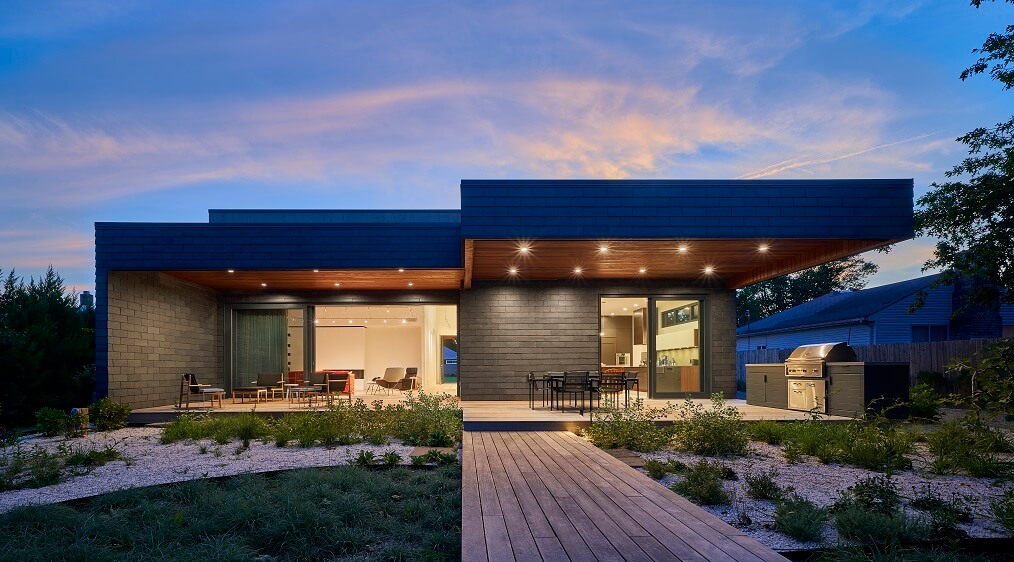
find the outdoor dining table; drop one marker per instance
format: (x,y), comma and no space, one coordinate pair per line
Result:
(554,380)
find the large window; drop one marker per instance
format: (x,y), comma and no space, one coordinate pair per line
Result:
(266,341)
(922,334)
(677,341)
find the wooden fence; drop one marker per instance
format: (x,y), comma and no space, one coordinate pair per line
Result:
(933,356)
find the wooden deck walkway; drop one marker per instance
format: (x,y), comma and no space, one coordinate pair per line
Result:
(535,495)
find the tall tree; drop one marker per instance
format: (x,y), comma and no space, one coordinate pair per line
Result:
(47,348)
(972,215)
(775,295)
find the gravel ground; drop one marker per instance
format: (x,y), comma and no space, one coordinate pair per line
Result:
(148,462)
(822,484)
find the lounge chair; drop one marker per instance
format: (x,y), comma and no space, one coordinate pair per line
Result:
(190,387)
(272,382)
(392,376)
(410,381)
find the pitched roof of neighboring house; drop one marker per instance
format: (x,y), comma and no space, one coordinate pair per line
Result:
(839,307)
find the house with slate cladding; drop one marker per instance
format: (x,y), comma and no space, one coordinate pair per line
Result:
(528,275)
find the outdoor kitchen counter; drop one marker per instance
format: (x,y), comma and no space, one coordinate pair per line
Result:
(766,385)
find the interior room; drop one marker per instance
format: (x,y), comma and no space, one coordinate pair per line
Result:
(623,337)
(365,340)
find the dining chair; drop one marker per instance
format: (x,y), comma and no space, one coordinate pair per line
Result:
(573,384)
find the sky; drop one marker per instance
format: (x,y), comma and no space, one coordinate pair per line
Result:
(157,111)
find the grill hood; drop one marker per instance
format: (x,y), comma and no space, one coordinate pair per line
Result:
(823,352)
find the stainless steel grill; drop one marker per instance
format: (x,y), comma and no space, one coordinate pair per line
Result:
(812,360)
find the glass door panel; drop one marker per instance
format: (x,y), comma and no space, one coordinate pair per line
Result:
(677,347)
(260,345)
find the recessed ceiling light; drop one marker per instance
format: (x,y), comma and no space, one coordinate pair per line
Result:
(683,249)
(642,270)
(385,321)
(577,270)
(410,284)
(232,271)
(401,270)
(612,314)
(763,248)
(603,249)
(403,321)
(513,271)
(389,310)
(366,321)
(350,320)
(624,308)
(264,284)
(709,270)
(523,249)
(316,271)
(316,321)
(337,284)
(332,321)
(601,334)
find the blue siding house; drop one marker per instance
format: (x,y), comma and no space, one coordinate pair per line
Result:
(528,275)
(876,316)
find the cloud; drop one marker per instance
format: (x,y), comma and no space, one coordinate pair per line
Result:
(36,249)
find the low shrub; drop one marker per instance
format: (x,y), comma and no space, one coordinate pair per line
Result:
(762,486)
(365,458)
(77,423)
(800,518)
(858,524)
(924,402)
(874,446)
(702,484)
(715,431)
(51,422)
(1003,510)
(633,428)
(34,468)
(876,494)
(90,458)
(108,415)
(955,508)
(967,445)
(426,420)
(656,469)
(768,431)
(390,458)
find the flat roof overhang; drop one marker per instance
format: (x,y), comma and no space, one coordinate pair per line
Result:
(733,262)
(325,279)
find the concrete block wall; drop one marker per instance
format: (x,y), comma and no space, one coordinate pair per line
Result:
(159,327)
(507,330)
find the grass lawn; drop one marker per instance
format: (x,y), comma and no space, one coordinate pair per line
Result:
(345,512)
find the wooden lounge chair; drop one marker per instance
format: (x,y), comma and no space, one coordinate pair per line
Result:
(190,387)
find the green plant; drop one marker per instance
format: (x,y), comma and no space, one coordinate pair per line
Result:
(875,494)
(1003,510)
(800,518)
(969,445)
(659,469)
(954,508)
(390,458)
(768,431)
(715,431)
(108,415)
(77,423)
(427,419)
(365,458)
(858,524)
(702,484)
(634,428)
(924,402)
(50,421)
(992,374)
(762,486)
(90,458)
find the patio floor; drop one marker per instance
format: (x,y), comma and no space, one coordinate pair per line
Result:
(551,496)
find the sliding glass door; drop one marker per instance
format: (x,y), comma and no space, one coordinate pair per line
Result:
(266,341)
(677,347)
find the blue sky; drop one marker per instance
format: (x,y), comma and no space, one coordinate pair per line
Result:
(157,111)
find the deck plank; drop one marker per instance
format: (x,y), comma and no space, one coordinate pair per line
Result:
(558,498)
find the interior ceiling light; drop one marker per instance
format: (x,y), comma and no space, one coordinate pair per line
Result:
(350,320)
(403,321)
(385,321)
(601,334)
(624,308)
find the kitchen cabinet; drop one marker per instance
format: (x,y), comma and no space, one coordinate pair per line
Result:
(855,388)
(766,385)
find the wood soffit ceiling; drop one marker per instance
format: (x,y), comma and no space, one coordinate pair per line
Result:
(325,279)
(734,262)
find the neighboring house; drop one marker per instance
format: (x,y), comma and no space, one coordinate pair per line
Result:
(878,315)
(529,275)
